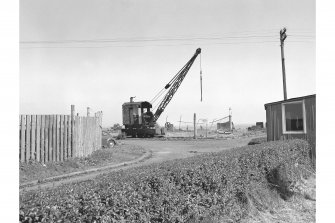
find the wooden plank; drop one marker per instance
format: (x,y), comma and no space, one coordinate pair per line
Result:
(23,138)
(46,138)
(81,135)
(42,139)
(73,143)
(20,117)
(33,138)
(90,137)
(93,135)
(78,134)
(57,138)
(53,154)
(69,137)
(28,132)
(50,129)
(86,136)
(61,147)
(38,137)
(65,137)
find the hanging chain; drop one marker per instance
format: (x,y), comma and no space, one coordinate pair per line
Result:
(200,79)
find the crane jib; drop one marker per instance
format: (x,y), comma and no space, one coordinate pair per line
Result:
(175,83)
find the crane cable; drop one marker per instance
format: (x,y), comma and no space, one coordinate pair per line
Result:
(200,79)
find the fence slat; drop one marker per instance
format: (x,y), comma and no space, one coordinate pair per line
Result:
(33,138)
(61,147)
(51,122)
(57,137)
(23,138)
(20,123)
(54,138)
(81,136)
(38,137)
(73,143)
(65,137)
(69,137)
(47,137)
(42,138)
(28,129)
(78,133)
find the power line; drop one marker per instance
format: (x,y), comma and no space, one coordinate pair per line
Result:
(141,40)
(154,39)
(163,45)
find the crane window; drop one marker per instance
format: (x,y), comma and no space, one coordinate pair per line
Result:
(294,117)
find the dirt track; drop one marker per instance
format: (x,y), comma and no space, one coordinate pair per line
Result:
(161,150)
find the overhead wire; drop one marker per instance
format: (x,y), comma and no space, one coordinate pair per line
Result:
(231,38)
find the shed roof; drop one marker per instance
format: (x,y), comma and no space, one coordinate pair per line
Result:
(289,100)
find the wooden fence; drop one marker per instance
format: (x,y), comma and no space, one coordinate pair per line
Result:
(52,138)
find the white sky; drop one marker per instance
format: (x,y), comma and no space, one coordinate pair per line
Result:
(236,74)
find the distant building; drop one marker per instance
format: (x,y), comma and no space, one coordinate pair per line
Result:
(292,118)
(260,125)
(226,126)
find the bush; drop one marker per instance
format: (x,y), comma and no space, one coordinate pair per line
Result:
(257,141)
(220,185)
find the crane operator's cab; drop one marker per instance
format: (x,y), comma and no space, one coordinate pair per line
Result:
(138,119)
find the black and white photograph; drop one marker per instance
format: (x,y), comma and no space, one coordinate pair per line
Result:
(166,111)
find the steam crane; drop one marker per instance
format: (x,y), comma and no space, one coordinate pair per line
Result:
(138,119)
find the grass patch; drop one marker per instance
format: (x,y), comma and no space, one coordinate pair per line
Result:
(218,187)
(118,154)
(258,140)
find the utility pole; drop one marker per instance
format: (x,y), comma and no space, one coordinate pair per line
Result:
(179,122)
(282,38)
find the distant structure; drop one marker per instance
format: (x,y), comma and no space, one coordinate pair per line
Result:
(169,127)
(292,118)
(260,125)
(226,126)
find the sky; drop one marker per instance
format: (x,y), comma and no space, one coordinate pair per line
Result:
(98,54)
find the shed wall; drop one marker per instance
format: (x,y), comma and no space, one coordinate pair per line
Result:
(275,127)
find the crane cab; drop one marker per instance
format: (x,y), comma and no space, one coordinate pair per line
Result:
(137,119)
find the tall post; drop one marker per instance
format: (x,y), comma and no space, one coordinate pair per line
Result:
(282,38)
(88,112)
(195,125)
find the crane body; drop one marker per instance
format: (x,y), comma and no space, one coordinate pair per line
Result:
(138,117)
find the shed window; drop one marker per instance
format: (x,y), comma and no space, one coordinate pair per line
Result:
(294,117)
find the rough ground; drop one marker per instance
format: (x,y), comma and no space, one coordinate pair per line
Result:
(118,154)
(301,208)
